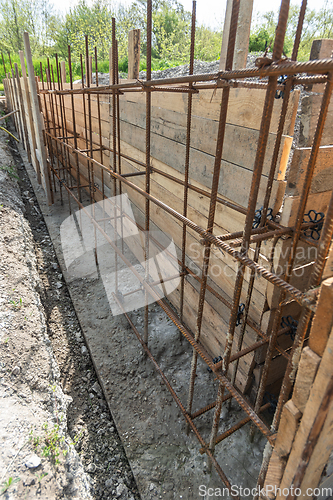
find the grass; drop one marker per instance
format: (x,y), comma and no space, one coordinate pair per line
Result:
(52,443)
(16,304)
(7,484)
(10,170)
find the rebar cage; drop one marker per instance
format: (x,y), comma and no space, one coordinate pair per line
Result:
(81,164)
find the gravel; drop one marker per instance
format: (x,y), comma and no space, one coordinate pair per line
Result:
(200,67)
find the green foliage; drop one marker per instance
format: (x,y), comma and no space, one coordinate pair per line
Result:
(207,44)
(7,484)
(92,20)
(317,24)
(123,65)
(11,171)
(51,34)
(52,443)
(259,40)
(34,16)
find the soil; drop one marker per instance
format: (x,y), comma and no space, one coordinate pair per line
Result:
(47,376)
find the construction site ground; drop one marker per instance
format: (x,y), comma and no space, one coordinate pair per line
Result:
(74,362)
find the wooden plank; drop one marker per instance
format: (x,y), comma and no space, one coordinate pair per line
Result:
(274,475)
(299,279)
(225,217)
(309,117)
(17,106)
(63,72)
(13,103)
(277,370)
(290,418)
(37,120)
(316,201)
(323,173)
(306,373)
(328,270)
(323,320)
(223,267)
(133,53)
(225,35)
(320,454)
(321,48)
(245,106)
(172,125)
(321,384)
(22,112)
(234,180)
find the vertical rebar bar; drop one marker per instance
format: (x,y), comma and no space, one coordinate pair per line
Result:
(270,180)
(59,150)
(187,161)
(78,180)
(213,199)
(147,179)
(288,380)
(3,62)
(63,131)
(253,196)
(99,124)
(48,138)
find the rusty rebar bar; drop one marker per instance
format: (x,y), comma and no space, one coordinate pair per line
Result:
(317,66)
(213,200)
(147,177)
(292,365)
(187,160)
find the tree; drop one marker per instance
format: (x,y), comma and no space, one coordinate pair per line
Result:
(317,24)
(207,44)
(82,19)
(34,16)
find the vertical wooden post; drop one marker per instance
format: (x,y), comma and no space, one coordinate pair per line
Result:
(110,66)
(12,102)
(88,64)
(30,123)
(242,37)
(15,105)
(90,69)
(37,120)
(320,49)
(225,36)
(9,98)
(63,71)
(133,54)
(22,112)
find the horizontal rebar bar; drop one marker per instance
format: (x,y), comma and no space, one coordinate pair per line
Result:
(235,428)
(177,400)
(269,276)
(274,69)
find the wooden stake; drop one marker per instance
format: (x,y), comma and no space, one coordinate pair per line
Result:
(41,151)
(63,71)
(30,122)
(133,54)
(242,37)
(22,111)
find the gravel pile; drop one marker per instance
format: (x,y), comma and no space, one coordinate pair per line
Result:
(200,67)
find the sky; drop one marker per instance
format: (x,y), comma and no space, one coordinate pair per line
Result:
(211,12)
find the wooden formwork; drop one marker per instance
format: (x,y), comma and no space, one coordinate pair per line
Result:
(96,137)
